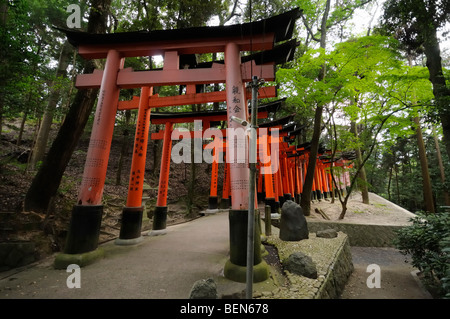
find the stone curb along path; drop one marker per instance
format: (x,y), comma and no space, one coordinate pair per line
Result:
(333,260)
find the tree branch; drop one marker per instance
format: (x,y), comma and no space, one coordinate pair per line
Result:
(308,28)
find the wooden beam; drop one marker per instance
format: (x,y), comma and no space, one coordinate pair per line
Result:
(127,78)
(257,42)
(189,99)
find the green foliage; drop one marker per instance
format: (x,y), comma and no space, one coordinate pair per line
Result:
(427,241)
(413,21)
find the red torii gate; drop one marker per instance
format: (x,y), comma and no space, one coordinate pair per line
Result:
(84,228)
(206,117)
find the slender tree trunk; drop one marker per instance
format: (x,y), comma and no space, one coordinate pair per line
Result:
(397,186)
(3,77)
(440,89)
(305,201)
(441,168)
(389,184)
(362,172)
(124,148)
(427,191)
(22,128)
(47,180)
(47,120)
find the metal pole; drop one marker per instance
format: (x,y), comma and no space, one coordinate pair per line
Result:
(252,184)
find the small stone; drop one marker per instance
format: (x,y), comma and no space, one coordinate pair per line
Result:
(204,289)
(300,264)
(327,233)
(257,294)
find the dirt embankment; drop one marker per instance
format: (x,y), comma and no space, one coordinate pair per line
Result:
(379,211)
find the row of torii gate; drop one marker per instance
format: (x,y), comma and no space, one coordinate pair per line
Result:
(280,178)
(179,47)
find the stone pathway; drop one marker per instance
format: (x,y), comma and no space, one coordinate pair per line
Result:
(397,278)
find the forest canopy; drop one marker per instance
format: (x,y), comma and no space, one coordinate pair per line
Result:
(369,76)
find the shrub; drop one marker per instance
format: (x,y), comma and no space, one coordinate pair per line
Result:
(427,241)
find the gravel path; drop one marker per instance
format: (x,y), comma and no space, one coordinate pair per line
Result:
(398,279)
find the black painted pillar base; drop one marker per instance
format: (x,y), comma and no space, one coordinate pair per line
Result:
(159,218)
(235,268)
(277,206)
(159,221)
(81,246)
(273,207)
(84,229)
(225,203)
(281,200)
(287,196)
(260,197)
(319,194)
(213,202)
(130,229)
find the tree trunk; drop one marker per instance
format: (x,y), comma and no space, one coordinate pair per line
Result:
(47,180)
(427,191)
(22,127)
(440,90)
(47,120)
(305,201)
(124,148)
(441,168)
(344,208)
(389,183)
(397,186)
(3,18)
(362,172)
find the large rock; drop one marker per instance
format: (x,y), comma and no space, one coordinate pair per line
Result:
(204,289)
(300,264)
(293,226)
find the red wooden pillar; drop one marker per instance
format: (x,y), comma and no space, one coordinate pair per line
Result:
(213,199)
(268,176)
(326,189)
(298,178)
(84,228)
(330,181)
(291,178)
(314,187)
(160,213)
(278,183)
(130,230)
(319,186)
(225,202)
(285,178)
(260,182)
(235,267)
(237,150)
